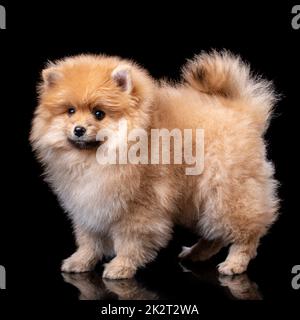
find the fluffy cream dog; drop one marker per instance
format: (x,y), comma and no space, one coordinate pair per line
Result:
(129,210)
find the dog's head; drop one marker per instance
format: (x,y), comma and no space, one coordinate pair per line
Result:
(81,95)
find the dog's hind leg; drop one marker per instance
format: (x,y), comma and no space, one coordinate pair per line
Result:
(239,257)
(202,250)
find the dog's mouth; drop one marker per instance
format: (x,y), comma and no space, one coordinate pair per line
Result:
(84,144)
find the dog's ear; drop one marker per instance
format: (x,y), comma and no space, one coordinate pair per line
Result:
(122,77)
(50,76)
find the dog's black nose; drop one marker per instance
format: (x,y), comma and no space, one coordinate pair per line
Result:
(79,131)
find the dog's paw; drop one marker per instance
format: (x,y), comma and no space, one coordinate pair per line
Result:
(185,253)
(75,264)
(118,270)
(230,268)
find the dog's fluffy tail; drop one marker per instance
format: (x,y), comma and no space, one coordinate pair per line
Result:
(226,75)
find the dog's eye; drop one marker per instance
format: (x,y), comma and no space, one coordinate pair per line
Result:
(99,114)
(71,111)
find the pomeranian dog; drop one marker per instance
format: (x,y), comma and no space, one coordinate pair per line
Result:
(127,211)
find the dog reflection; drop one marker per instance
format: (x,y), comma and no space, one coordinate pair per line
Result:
(92,287)
(239,286)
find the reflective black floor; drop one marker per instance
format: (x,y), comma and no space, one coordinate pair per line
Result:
(167,278)
(91,286)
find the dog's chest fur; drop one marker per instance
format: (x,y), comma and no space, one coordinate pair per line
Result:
(90,193)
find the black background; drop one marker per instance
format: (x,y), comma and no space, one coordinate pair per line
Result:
(35,233)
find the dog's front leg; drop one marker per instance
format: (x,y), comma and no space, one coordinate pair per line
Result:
(89,252)
(137,238)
